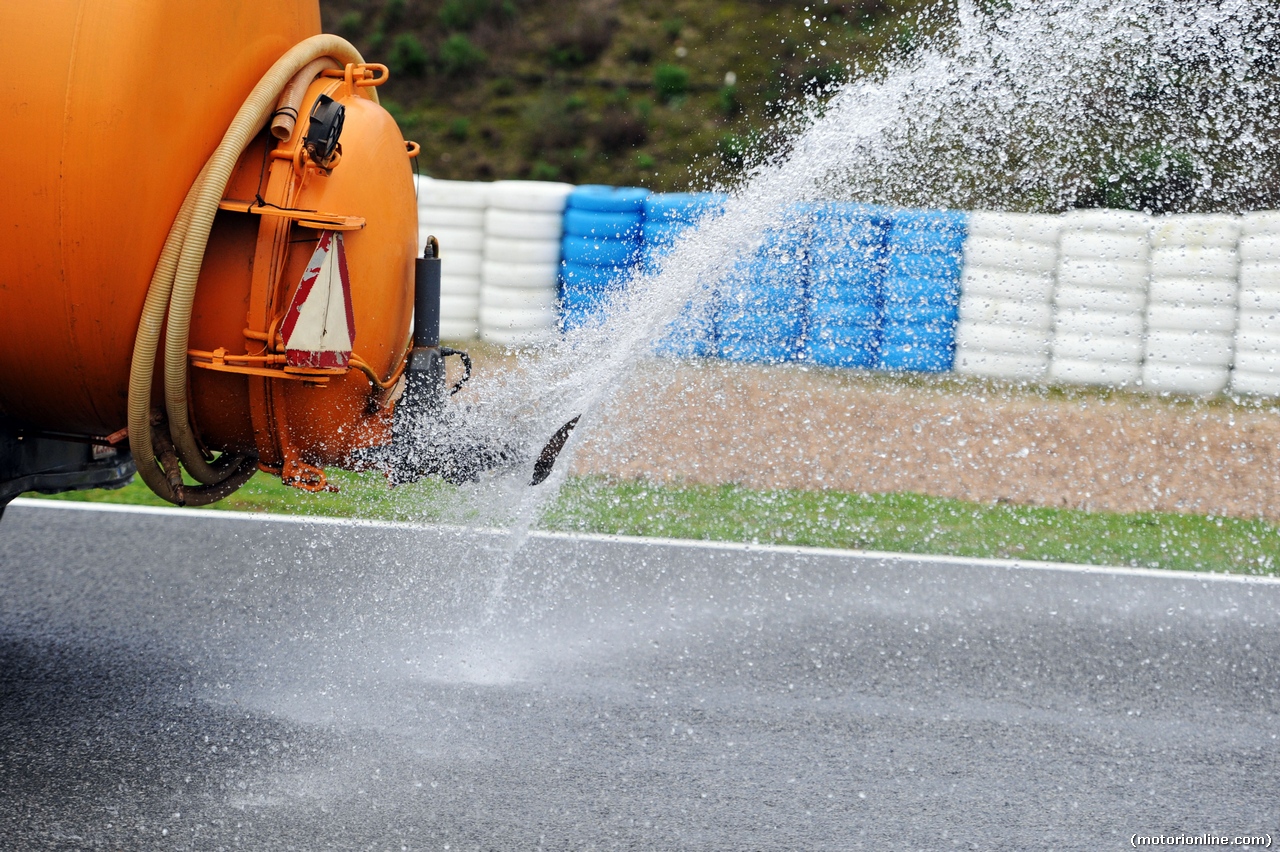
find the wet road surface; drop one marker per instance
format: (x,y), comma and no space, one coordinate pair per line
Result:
(205,681)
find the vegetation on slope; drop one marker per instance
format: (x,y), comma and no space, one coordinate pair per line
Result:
(658,93)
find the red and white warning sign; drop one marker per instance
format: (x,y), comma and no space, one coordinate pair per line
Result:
(319,328)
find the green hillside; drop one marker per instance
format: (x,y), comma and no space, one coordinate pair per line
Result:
(609,91)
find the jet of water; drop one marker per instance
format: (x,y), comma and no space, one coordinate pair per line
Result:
(1017,104)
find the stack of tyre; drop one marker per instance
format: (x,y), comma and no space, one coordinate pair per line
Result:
(1101,298)
(925,252)
(601,246)
(1257,342)
(453,211)
(1006,296)
(761,314)
(1191,304)
(521,269)
(667,216)
(847,280)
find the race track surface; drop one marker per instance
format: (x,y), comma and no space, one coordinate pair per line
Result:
(186,680)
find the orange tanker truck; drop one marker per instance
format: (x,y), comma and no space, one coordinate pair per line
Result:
(208,256)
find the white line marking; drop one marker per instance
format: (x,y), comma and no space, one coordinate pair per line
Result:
(653,541)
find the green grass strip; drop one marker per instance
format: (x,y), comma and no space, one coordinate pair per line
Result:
(915,523)
(904,523)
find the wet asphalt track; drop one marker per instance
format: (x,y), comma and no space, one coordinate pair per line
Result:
(175,681)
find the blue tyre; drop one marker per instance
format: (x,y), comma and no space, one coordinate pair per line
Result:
(852,284)
(761,327)
(919,291)
(664,233)
(608,199)
(595,251)
(917,336)
(915,359)
(934,317)
(830,354)
(925,240)
(845,336)
(591,223)
(825,313)
(682,206)
(939,267)
(929,220)
(759,352)
(580,277)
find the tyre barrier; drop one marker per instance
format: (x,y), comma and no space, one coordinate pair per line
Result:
(1005,327)
(924,255)
(453,212)
(846,293)
(523,226)
(1191,304)
(1186,304)
(760,306)
(1256,365)
(600,248)
(667,217)
(1104,252)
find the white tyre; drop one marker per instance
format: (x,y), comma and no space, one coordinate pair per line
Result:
(1254,345)
(523,226)
(1260,276)
(1118,275)
(521,251)
(1000,338)
(516,318)
(1191,318)
(1001,365)
(1213,292)
(459,307)
(1006,284)
(1260,299)
(1255,384)
(458,329)
(453,193)
(1260,323)
(1100,299)
(1018,255)
(450,217)
(533,196)
(1260,248)
(984,310)
(460,262)
(1217,230)
(995,225)
(460,285)
(1198,349)
(1180,378)
(1105,245)
(1259,363)
(1083,372)
(1194,262)
(451,239)
(519,338)
(529,276)
(1085,347)
(517,298)
(1262,222)
(1116,221)
(1128,326)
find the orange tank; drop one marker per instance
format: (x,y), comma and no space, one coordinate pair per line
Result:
(112,109)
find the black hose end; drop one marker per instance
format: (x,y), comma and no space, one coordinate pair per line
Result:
(547,458)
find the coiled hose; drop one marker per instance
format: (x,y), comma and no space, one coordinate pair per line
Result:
(173,288)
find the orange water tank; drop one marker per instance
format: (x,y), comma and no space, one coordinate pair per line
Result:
(111,109)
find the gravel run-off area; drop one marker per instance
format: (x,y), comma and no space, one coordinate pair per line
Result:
(790,426)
